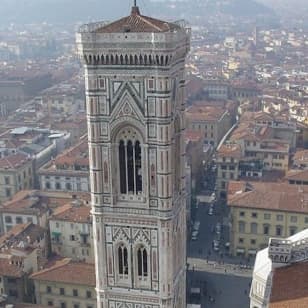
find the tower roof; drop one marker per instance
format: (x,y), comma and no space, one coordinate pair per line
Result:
(136,22)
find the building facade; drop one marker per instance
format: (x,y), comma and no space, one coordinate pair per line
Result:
(134,70)
(260,211)
(71,232)
(16,174)
(64,283)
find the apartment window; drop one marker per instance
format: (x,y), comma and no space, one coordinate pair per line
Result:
(223,185)
(279,217)
(241,226)
(57,225)
(7,180)
(231,176)
(267,216)
(63,305)
(29,219)
(223,167)
(278,230)
(241,240)
(293,230)
(72,238)
(254,215)
(266,229)
(19,220)
(76,306)
(48,289)
(58,186)
(50,303)
(75,292)
(242,214)
(62,291)
(254,228)
(8,219)
(13,293)
(253,242)
(89,294)
(47,185)
(223,175)
(306,220)
(68,186)
(293,218)
(8,192)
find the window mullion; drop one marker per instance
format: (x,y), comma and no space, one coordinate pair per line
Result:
(134,170)
(126,166)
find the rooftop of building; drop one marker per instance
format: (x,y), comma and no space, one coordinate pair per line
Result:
(205,113)
(27,233)
(297,175)
(36,201)
(10,270)
(282,294)
(73,212)
(301,157)
(192,136)
(67,271)
(268,196)
(14,161)
(232,150)
(136,22)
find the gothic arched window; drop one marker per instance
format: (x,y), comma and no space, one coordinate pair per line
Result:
(142,259)
(123,260)
(130,167)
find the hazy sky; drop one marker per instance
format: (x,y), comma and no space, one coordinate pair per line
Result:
(27,11)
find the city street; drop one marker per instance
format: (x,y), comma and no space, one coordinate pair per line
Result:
(220,291)
(224,281)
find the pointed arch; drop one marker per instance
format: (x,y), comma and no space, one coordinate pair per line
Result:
(142,262)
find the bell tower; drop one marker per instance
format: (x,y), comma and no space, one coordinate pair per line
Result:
(134,75)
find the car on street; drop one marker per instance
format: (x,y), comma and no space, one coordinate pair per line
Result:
(194,235)
(216,244)
(218,228)
(196,226)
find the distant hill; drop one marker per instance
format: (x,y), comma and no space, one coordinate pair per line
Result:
(58,11)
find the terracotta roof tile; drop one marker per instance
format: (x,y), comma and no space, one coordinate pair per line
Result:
(290,286)
(297,175)
(204,113)
(10,270)
(13,161)
(136,22)
(67,271)
(230,150)
(273,196)
(73,213)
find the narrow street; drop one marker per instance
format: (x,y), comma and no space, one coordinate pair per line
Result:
(223,280)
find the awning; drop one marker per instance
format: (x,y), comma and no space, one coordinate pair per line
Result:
(240,250)
(252,251)
(55,233)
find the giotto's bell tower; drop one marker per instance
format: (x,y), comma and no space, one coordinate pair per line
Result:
(134,71)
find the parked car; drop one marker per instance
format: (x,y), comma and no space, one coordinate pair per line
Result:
(196,226)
